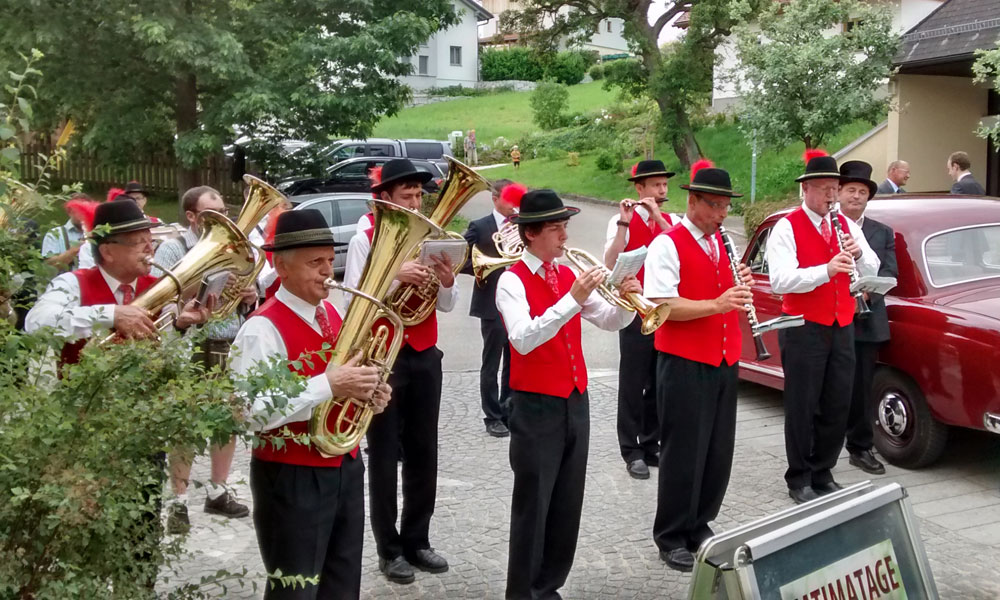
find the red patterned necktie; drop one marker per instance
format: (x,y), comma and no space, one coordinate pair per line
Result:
(551,277)
(324,325)
(127,293)
(713,251)
(824,230)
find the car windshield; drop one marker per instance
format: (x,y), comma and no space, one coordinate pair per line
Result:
(963,255)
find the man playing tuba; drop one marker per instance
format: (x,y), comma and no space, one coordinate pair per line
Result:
(309,509)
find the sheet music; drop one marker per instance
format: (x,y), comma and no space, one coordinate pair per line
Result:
(456,250)
(628,265)
(874,285)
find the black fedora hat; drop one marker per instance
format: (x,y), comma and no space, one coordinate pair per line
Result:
(539,206)
(819,165)
(399,170)
(858,171)
(119,216)
(711,180)
(134,186)
(301,229)
(649,168)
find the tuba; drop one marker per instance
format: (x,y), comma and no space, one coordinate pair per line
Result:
(414,303)
(509,246)
(397,233)
(652,315)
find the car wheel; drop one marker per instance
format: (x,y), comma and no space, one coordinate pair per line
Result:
(906,433)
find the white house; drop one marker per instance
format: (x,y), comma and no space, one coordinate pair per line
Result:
(450,57)
(608,39)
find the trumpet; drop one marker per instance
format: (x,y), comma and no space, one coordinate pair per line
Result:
(861,307)
(652,315)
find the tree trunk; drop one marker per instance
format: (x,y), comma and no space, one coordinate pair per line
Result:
(685,145)
(186,116)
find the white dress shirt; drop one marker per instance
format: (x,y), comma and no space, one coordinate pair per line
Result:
(85,258)
(59,308)
(663,264)
(612,231)
(783,262)
(357,256)
(55,240)
(259,342)
(267,273)
(500,219)
(526,333)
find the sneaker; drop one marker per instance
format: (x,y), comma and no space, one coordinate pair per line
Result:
(177,519)
(227,506)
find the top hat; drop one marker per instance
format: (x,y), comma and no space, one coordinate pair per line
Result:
(134,186)
(301,229)
(539,206)
(398,170)
(120,216)
(649,168)
(711,180)
(819,165)
(858,171)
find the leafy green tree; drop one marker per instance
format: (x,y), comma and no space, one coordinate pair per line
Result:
(678,80)
(185,76)
(800,83)
(549,102)
(568,67)
(987,71)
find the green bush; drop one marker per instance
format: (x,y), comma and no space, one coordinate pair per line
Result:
(754,214)
(567,67)
(609,160)
(511,63)
(462,91)
(597,72)
(549,102)
(573,159)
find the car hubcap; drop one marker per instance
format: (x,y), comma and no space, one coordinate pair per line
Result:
(893,416)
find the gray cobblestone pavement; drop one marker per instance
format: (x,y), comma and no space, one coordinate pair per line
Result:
(616,557)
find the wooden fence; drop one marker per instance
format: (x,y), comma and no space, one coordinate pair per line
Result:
(156,173)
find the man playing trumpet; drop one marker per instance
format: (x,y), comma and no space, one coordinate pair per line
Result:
(541,304)
(697,365)
(308,508)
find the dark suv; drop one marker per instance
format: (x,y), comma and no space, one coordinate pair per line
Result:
(352,176)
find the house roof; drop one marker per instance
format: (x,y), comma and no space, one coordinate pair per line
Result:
(481,13)
(944,43)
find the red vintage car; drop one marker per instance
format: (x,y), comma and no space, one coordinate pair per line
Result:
(941,367)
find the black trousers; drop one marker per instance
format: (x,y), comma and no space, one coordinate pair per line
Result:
(549,441)
(859,422)
(697,404)
(818,361)
(496,400)
(410,423)
(310,521)
(638,425)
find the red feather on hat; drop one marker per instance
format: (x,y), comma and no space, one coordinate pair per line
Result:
(812,153)
(698,165)
(375,176)
(113,194)
(512,194)
(635,168)
(85,209)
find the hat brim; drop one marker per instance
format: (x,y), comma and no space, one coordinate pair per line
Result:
(564,212)
(872,186)
(421,176)
(125,228)
(667,174)
(711,189)
(292,246)
(818,175)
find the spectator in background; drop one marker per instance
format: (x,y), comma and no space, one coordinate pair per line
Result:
(470,148)
(62,244)
(958,167)
(896,177)
(133,191)
(515,155)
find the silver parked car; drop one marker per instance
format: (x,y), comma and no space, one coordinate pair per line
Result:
(342,212)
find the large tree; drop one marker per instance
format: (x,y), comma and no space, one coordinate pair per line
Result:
(678,79)
(803,78)
(185,76)
(987,71)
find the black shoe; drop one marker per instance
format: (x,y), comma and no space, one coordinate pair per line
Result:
(867,462)
(802,495)
(827,488)
(497,429)
(227,506)
(637,469)
(177,519)
(426,559)
(397,570)
(652,460)
(678,559)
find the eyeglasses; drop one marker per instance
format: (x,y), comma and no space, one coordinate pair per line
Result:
(135,244)
(715,205)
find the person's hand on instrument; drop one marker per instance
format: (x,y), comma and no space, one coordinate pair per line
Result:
(414,273)
(841,263)
(383,393)
(133,322)
(195,314)
(630,285)
(586,283)
(442,268)
(735,298)
(352,380)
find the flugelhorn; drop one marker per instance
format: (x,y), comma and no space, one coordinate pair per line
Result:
(652,315)
(860,306)
(415,303)
(337,425)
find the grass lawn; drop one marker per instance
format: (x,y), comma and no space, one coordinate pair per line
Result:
(507,114)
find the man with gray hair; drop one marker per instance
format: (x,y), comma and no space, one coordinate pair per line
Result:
(897,175)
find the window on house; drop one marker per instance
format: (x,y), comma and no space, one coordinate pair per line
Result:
(609,26)
(422,65)
(456,56)
(851,24)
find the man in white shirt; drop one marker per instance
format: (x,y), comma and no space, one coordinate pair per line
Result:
(61,245)
(541,304)
(308,507)
(636,225)
(811,268)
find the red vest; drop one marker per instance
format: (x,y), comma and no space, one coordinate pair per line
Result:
(420,336)
(831,301)
(299,338)
(640,235)
(94,291)
(556,367)
(709,339)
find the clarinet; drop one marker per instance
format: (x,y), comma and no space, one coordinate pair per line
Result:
(734,265)
(860,306)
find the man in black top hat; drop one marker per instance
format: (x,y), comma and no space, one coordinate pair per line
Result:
(870,333)
(541,304)
(635,226)
(309,509)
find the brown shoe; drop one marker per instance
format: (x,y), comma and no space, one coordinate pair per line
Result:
(227,506)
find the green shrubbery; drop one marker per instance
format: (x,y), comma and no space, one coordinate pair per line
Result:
(462,91)
(511,63)
(567,67)
(597,72)
(549,102)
